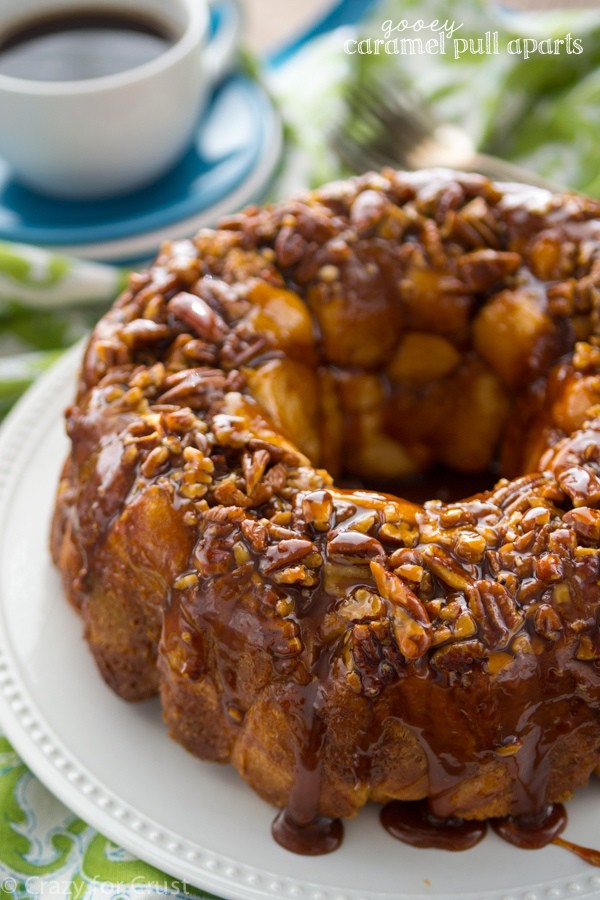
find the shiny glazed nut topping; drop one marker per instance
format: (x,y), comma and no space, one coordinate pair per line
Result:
(371,331)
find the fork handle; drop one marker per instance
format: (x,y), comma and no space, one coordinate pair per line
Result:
(500,170)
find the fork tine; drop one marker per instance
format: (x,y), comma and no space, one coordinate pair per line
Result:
(384,121)
(390,125)
(382,127)
(360,159)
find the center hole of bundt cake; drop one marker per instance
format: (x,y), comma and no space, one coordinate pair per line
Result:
(438,483)
(429,420)
(436,396)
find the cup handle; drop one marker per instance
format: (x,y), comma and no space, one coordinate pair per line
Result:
(223,43)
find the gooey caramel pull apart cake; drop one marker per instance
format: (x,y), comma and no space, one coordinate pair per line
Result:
(339,646)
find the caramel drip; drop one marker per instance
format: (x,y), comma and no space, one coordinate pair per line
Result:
(532,832)
(314,838)
(592,857)
(412,823)
(303,803)
(300,827)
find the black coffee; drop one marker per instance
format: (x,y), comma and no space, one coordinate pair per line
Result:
(80,45)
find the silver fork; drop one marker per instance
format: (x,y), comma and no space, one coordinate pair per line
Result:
(386,126)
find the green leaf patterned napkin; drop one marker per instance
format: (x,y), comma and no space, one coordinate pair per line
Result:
(46,850)
(538,109)
(47,302)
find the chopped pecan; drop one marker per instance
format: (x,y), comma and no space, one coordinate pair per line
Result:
(271,484)
(561,595)
(133,397)
(367,210)
(284,639)
(290,246)
(196,388)
(363,522)
(181,421)
(412,637)
(185,581)
(279,532)
(284,606)
(469,545)
(547,622)
(451,516)
(225,514)
(284,553)
(585,521)
(241,553)
(450,611)
(446,567)
(155,461)
(401,533)
(473,226)
(581,485)
(142,332)
(481,269)
(587,649)
(318,510)
(410,622)
(456,628)
(500,609)
(353,546)
(369,655)
(525,542)
(464,626)
(256,534)
(367,639)
(230,430)
(492,558)
(549,567)
(510,581)
(397,592)
(405,556)
(410,572)
(441,635)
(239,348)
(562,541)
(361,604)
(199,352)
(458,657)
(295,575)
(537,515)
(195,312)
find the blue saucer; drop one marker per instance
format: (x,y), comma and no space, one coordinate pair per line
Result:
(227,148)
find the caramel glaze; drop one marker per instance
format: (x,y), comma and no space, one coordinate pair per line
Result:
(340,646)
(412,823)
(533,832)
(523,729)
(591,857)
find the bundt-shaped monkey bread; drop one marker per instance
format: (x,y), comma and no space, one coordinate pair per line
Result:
(343,645)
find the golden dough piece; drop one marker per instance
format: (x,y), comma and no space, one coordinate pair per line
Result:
(338,645)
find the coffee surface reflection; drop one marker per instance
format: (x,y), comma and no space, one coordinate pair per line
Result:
(79,46)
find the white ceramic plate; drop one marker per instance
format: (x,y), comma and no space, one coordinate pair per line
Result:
(113,764)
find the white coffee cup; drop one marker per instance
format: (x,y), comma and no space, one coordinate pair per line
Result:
(107,135)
